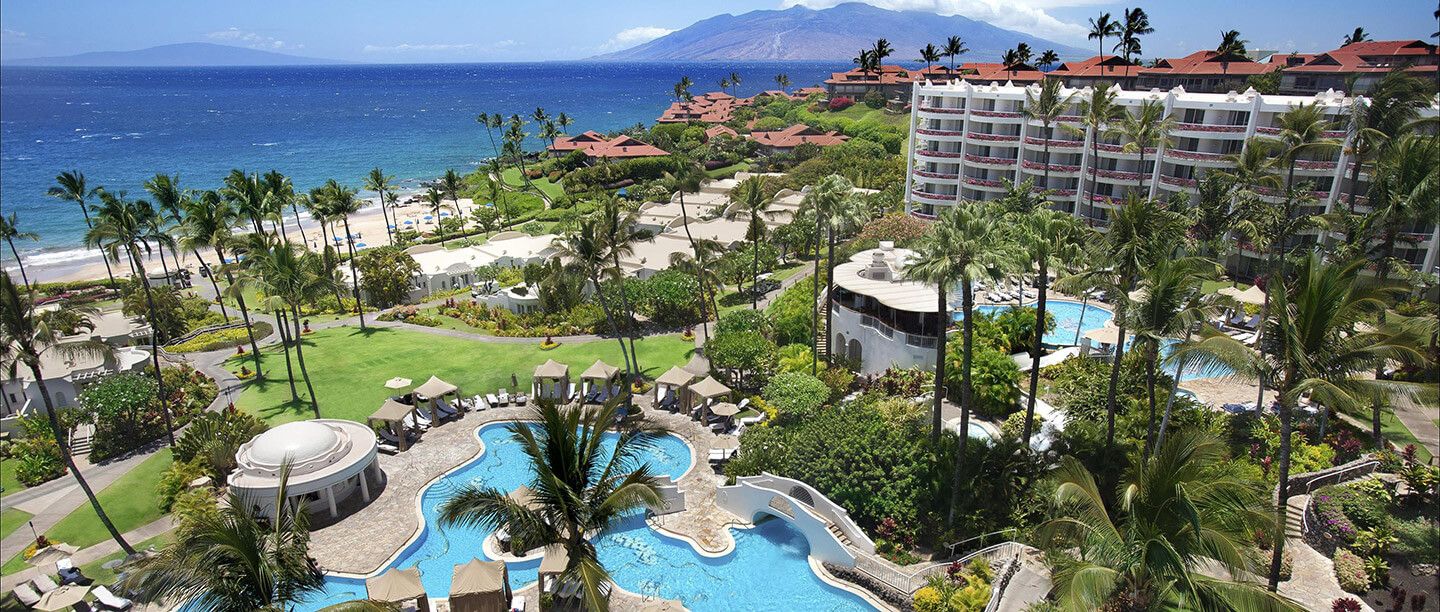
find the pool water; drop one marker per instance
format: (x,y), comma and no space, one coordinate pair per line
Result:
(641,560)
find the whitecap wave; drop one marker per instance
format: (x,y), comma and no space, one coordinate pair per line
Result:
(50,257)
(263,144)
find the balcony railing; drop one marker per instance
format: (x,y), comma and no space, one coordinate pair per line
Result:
(1034,165)
(923,216)
(1068,193)
(1177,181)
(1054,144)
(937,109)
(1334,134)
(993,137)
(1104,199)
(1268,131)
(1115,148)
(1194,155)
(934,132)
(1309,164)
(979,182)
(921,341)
(995,114)
(935,175)
(1280,193)
(875,324)
(933,197)
(1214,129)
(1121,175)
(995,161)
(944,154)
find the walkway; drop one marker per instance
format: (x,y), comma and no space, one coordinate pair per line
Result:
(1031,583)
(90,554)
(1312,580)
(1421,421)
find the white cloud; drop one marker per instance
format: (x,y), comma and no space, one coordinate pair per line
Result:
(1027,16)
(9,33)
(410,47)
(630,37)
(254,40)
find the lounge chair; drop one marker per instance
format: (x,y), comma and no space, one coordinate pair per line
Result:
(26,595)
(518,604)
(417,420)
(521,399)
(503,397)
(569,589)
(44,584)
(491,401)
(443,408)
(110,601)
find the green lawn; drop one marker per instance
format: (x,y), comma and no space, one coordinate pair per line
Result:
(553,190)
(97,572)
(728,171)
(10,520)
(860,112)
(9,482)
(349,367)
(1216,285)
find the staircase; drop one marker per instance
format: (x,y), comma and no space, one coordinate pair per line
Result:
(822,333)
(1295,516)
(839,535)
(80,439)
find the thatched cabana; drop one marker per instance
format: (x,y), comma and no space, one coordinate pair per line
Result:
(398,586)
(480,586)
(552,564)
(433,391)
(604,376)
(551,381)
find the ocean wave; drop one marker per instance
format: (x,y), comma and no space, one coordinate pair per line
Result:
(263,144)
(83,136)
(50,257)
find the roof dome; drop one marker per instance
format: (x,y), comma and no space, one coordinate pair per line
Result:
(300,442)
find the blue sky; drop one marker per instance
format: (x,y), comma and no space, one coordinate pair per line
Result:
(496,30)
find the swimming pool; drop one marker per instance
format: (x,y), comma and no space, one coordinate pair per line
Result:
(773,554)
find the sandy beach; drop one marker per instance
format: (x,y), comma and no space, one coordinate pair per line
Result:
(368,226)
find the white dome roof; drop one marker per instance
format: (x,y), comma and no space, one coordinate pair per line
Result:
(299,442)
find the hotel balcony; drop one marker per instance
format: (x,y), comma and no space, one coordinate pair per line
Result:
(1119,177)
(980,184)
(1310,167)
(1175,183)
(1116,151)
(1206,130)
(948,157)
(940,135)
(936,112)
(996,116)
(1055,144)
(997,163)
(1056,170)
(1072,119)
(931,198)
(1196,158)
(1270,194)
(1004,140)
(935,178)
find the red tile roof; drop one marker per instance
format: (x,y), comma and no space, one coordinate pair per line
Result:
(806,91)
(1206,63)
(713,107)
(888,75)
(720,130)
(995,71)
(796,135)
(594,144)
(1373,56)
(583,140)
(1099,66)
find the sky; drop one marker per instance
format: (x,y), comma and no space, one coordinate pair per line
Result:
(418,31)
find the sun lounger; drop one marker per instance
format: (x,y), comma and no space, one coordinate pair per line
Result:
(569,589)
(503,397)
(751,420)
(109,600)
(491,401)
(27,596)
(444,409)
(518,604)
(520,399)
(417,420)
(44,584)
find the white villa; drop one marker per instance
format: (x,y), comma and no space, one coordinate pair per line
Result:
(881,319)
(444,269)
(67,376)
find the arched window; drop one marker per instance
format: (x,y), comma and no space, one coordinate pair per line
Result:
(801,494)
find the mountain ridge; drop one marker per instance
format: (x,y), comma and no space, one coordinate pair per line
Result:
(175,55)
(836,33)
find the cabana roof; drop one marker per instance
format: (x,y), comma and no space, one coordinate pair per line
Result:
(600,371)
(675,377)
(391,411)
(552,369)
(709,388)
(555,559)
(395,585)
(478,577)
(525,496)
(1252,295)
(435,388)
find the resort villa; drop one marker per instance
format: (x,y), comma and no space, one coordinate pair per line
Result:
(880,319)
(785,141)
(1357,66)
(443,269)
(67,375)
(969,139)
(596,146)
(713,107)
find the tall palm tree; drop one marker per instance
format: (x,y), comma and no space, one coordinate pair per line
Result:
(865,61)
(120,229)
(1231,45)
(233,559)
(1212,215)
(1148,128)
(249,254)
(618,226)
(1302,130)
(1097,114)
(1388,112)
(585,245)
(1359,35)
(436,199)
(1136,24)
(753,198)
(580,488)
(1176,512)
(954,47)
(210,222)
(247,194)
(682,89)
(686,177)
(168,197)
(497,188)
(965,244)
(279,195)
(290,277)
(380,183)
(1168,307)
(213,213)
(10,231)
(71,187)
(1047,238)
(1023,53)
(928,56)
(563,121)
(735,82)
(1320,348)
(343,204)
(515,135)
(25,339)
(1011,61)
(881,50)
(838,210)
(783,81)
(452,183)
(1103,27)
(1047,59)
(1046,106)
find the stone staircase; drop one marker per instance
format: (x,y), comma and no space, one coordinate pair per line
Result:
(81,439)
(839,535)
(822,333)
(1295,516)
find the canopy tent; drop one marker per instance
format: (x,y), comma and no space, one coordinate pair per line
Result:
(396,586)
(705,392)
(391,415)
(480,586)
(557,375)
(1107,334)
(672,382)
(525,496)
(435,387)
(1253,295)
(552,564)
(599,374)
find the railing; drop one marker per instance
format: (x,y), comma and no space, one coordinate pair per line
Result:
(993,137)
(1194,155)
(1268,131)
(1034,165)
(1055,192)
(995,161)
(1334,134)
(945,154)
(1114,148)
(875,324)
(203,330)
(1054,143)
(995,114)
(934,132)
(923,216)
(933,197)
(935,175)
(1272,192)
(1309,164)
(1177,181)
(1304,484)
(921,341)
(1118,175)
(1205,127)
(1002,582)
(936,109)
(979,182)
(909,582)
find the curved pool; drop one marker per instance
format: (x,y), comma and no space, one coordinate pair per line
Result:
(768,568)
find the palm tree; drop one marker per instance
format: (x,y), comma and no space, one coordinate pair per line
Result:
(1097,113)
(1212,215)
(1388,112)
(1359,35)
(965,244)
(283,192)
(928,56)
(210,222)
(1168,306)
(1047,59)
(564,122)
(1137,24)
(1148,128)
(954,46)
(735,82)
(580,487)
(1046,106)
(248,196)
(1318,347)
(379,182)
(291,277)
(682,89)
(318,202)
(122,226)
(71,187)
(233,559)
(1103,27)
(783,80)
(249,253)
(753,198)
(1302,130)
(1176,512)
(586,246)
(865,61)
(1047,238)
(1023,53)
(686,177)
(10,231)
(343,204)
(1231,45)
(881,50)
(515,135)
(618,225)
(451,184)
(24,341)
(436,199)
(168,197)
(837,211)
(1010,60)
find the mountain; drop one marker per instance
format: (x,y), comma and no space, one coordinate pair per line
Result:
(181,54)
(836,33)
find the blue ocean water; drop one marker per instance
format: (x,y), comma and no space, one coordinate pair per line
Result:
(121,126)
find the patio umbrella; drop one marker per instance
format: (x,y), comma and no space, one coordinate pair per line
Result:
(62,598)
(50,554)
(397,383)
(726,442)
(514,382)
(725,409)
(409,222)
(359,245)
(1104,335)
(1253,295)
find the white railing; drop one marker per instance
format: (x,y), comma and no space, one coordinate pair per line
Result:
(909,582)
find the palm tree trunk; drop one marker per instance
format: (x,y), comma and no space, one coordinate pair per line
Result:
(1079,325)
(354,276)
(936,424)
(60,441)
(967,306)
(1046,175)
(1169,402)
(685,221)
(1114,383)
(1260,331)
(19,264)
(1041,284)
(165,267)
(1283,487)
(1354,181)
(630,317)
(282,324)
(829,289)
(296,209)
(300,356)
(385,216)
(754,275)
(244,312)
(1383,276)
(1094,155)
(85,210)
(155,355)
(609,317)
(213,283)
(1151,362)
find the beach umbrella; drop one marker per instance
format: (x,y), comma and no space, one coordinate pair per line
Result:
(392,226)
(490,204)
(444,213)
(359,245)
(398,383)
(337,239)
(1253,295)
(724,409)
(429,217)
(409,222)
(62,598)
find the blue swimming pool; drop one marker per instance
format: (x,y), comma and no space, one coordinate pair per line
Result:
(641,560)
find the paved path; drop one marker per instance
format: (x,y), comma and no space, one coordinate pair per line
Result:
(1031,583)
(93,553)
(1420,420)
(1312,580)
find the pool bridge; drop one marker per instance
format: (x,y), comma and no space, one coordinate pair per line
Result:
(828,527)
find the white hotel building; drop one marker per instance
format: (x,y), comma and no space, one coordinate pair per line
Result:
(966,139)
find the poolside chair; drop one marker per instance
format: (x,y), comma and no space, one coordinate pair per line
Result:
(110,601)
(444,409)
(44,584)
(417,420)
(491,401)
(518,604)
(521,399)
(26,595)
(503,397)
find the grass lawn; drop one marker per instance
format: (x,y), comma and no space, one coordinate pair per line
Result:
(1215,285)
(349,367)
(9,482)
(96,570)
(12,519)
(552,190)
(860,112)
(728,171)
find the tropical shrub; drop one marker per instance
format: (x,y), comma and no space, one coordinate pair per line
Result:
(874,99)
(213,438)
(386,274)
(1079,385)
(770,124)
(221,339)
(193,505)
(1350,571)
(839,103)
(37,460)
(175,480)
(668,298)
(796,395)
(411,315)
(909,382)
(126,413)
(901,228)
(792,314)
(747,357)
(961,589)
(994,379)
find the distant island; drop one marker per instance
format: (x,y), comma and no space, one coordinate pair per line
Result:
(179,54)
(836,33)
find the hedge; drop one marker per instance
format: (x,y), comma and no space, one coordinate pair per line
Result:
(221,338)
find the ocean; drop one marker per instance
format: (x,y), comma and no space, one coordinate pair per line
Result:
(121,126)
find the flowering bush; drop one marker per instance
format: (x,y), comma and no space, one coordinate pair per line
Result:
(411,315)
(1345,604)
(1350,571)
(840,103)
(127,412)
(1333,524)
(1347,446)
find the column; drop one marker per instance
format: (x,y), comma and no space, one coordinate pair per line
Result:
(364,481)
(330,500)
(910,153)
